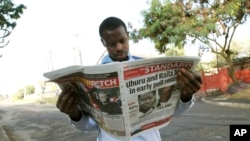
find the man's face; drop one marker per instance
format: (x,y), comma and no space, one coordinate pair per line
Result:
(117,43)
(103,98)
(146,101)
(166,93)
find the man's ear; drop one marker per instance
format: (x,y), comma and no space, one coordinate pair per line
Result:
(103,42)
(128,34)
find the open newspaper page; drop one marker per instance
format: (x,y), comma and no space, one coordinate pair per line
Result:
(103,100)
(127,98)
(151,91)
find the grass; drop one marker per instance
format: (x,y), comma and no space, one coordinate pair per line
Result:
(242,94)
(21,101)
(49,100)
(44,100)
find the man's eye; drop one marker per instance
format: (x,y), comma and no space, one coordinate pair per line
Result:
(111,44)
(123,40)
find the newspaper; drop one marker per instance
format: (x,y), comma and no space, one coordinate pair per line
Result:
(127,98)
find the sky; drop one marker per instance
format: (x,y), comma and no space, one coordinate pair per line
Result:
(45,36)
(50,27)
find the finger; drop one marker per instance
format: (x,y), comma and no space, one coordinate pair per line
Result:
(66,93)
(185,82)
(186,94)
(197,76)
(187,85)
(198,79)
(190,78)
(85,90)
(188,90)
(69,103)
(74,105)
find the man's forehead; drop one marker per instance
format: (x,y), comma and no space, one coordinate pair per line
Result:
(110,31)
(119,31)
(103,94)
(148,95)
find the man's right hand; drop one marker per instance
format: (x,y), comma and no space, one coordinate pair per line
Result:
(67,103)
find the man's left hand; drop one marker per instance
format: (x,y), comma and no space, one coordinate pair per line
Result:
(190,82)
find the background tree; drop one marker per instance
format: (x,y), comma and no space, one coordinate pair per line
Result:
(19,94)
(212,23)
(9,13)
(174,51)
(30,89)
(22,92)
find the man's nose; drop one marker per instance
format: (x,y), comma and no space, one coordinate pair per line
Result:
(148,100)
(118,46)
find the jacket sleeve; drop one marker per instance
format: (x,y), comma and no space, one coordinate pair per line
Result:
(85,124)
(183,106)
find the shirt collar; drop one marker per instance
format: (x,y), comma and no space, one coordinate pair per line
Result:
(106,59)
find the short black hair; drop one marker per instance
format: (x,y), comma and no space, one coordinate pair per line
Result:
(111,23)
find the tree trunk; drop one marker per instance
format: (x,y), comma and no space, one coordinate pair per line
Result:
(231,70)
(231,74)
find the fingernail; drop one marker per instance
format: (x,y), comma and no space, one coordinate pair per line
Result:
(179,73)
(183,70)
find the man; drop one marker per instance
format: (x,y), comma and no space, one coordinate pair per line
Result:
(147,102)
(115,38)
(165,93)
(106,106)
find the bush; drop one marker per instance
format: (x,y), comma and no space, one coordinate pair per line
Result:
(49,100)
(216,92)
(235,87)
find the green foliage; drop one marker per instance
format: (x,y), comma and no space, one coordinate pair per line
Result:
(160,26)
(50,100)
(19,95)
(174,51)
(30,89)
(241,94)
(9,13)
(172,22)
